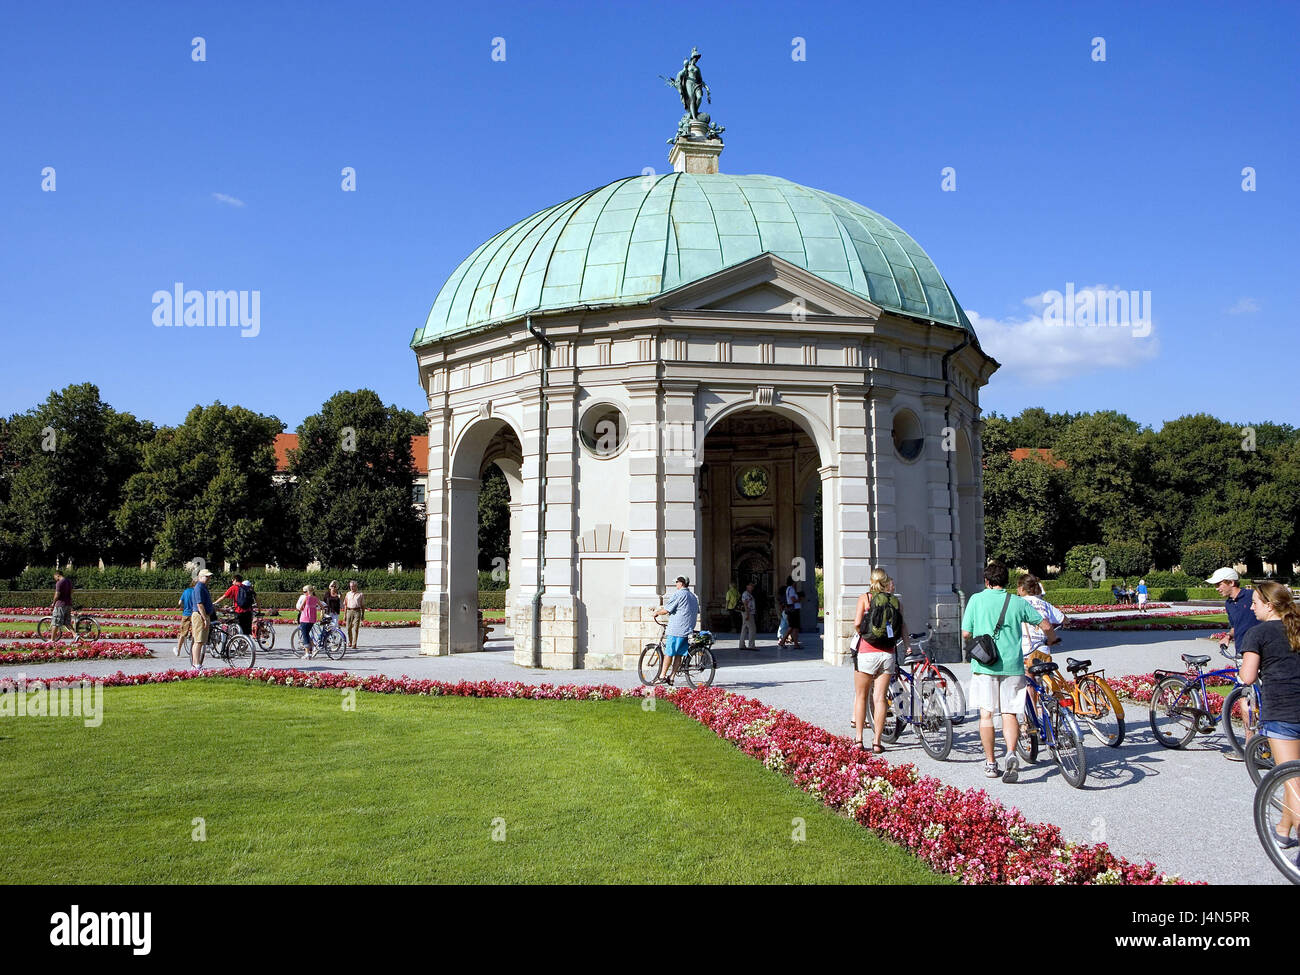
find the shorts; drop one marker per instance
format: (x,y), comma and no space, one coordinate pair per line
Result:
(993,694)
(1142,599)
(874,662)
(792,618)
(1281,730)
(677,646)
(61,615)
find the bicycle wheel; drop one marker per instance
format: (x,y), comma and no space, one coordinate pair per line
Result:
(265,635)
(1259,758)
(1244,698)
(700,667)
(1100,707)
(87,628)
(241,651)
(295,642)
(336,643)
(1173,718)
(45,627)
(1277,803)
(1027,741)
(954,697)
(647,667)
(1067,746)
(894,722)
(935,725)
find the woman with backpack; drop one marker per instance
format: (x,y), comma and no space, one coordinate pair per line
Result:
(879,623)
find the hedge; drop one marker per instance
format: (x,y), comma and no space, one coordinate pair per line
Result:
(167,599)
(1104,597)
(287,580)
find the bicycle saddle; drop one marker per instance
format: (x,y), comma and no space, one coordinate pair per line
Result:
(915,636)
(1073,665)
(1044,667)
(1196,659)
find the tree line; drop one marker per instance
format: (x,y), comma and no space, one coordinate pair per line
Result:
(81,481)
(1199,491)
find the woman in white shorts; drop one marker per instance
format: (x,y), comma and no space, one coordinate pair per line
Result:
(874,665)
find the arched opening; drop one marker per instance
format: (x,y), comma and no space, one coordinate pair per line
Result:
(481,536)
(759,507)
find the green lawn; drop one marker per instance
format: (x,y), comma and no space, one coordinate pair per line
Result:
(1209,620)
(293,789)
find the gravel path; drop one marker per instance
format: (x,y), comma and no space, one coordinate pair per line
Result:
(1188,811)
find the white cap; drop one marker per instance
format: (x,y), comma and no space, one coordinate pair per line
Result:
(1223,575)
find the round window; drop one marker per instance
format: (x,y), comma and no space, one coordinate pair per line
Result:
(752,482)
(603,430)
(908,436)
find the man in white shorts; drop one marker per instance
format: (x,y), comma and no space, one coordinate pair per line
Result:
(999,686)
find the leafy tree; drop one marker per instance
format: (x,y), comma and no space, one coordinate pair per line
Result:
(1022,503)
(1126,559)
(1104,456)
(1081,559)
(65,463)
(354,475)
(1200,559)
(206,489)
(493,518)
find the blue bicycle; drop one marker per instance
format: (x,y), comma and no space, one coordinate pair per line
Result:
(1052,721)
(918,698)
(1180,706)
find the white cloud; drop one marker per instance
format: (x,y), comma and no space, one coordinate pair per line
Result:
(228,200)
(1038,350)
(1244,306)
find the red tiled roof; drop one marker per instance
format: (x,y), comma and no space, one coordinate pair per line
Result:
(1040,453)
(285,442)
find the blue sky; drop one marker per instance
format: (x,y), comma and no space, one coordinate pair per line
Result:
(225,174)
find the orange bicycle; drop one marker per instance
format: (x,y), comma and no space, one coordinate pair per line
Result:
(1090,698)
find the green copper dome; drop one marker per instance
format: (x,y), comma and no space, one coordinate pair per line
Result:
(636,238)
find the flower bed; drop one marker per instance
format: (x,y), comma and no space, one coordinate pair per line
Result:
(170,633)
(1111,608)
(962,832)
(49,652)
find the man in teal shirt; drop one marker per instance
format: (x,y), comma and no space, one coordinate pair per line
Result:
(1000,686)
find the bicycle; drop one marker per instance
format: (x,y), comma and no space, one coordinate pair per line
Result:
(1279,793)
(1247,698)
(698,666)
(1053,721)
(326,635)
(934,724)
(1093,700)
(1259,758)
(224,640)
(1180,704)
(945,679)
(82,627)
(263,631)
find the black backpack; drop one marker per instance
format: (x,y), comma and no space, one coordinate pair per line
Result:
(244,597)
(884,618)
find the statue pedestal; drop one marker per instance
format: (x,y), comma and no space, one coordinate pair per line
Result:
(695,155)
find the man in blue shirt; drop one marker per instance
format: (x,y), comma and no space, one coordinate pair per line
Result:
(1237,602)
(187,610)
(682,608)
(204,613)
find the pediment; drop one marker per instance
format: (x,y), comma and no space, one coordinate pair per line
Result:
(768,285)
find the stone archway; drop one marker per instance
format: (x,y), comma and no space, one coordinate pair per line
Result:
(483,443)
(759,478)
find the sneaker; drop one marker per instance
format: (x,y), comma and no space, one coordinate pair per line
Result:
(991,770)
(1013,769)
(1285,842)
(1233,756)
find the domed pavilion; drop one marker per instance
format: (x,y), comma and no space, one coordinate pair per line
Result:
(731,378)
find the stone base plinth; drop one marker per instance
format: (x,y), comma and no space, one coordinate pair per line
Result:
(559,634)
(433,625)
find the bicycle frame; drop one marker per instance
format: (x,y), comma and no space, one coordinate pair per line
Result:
(1042,713)
(1199,679)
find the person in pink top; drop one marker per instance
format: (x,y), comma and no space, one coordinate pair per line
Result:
(308,610)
